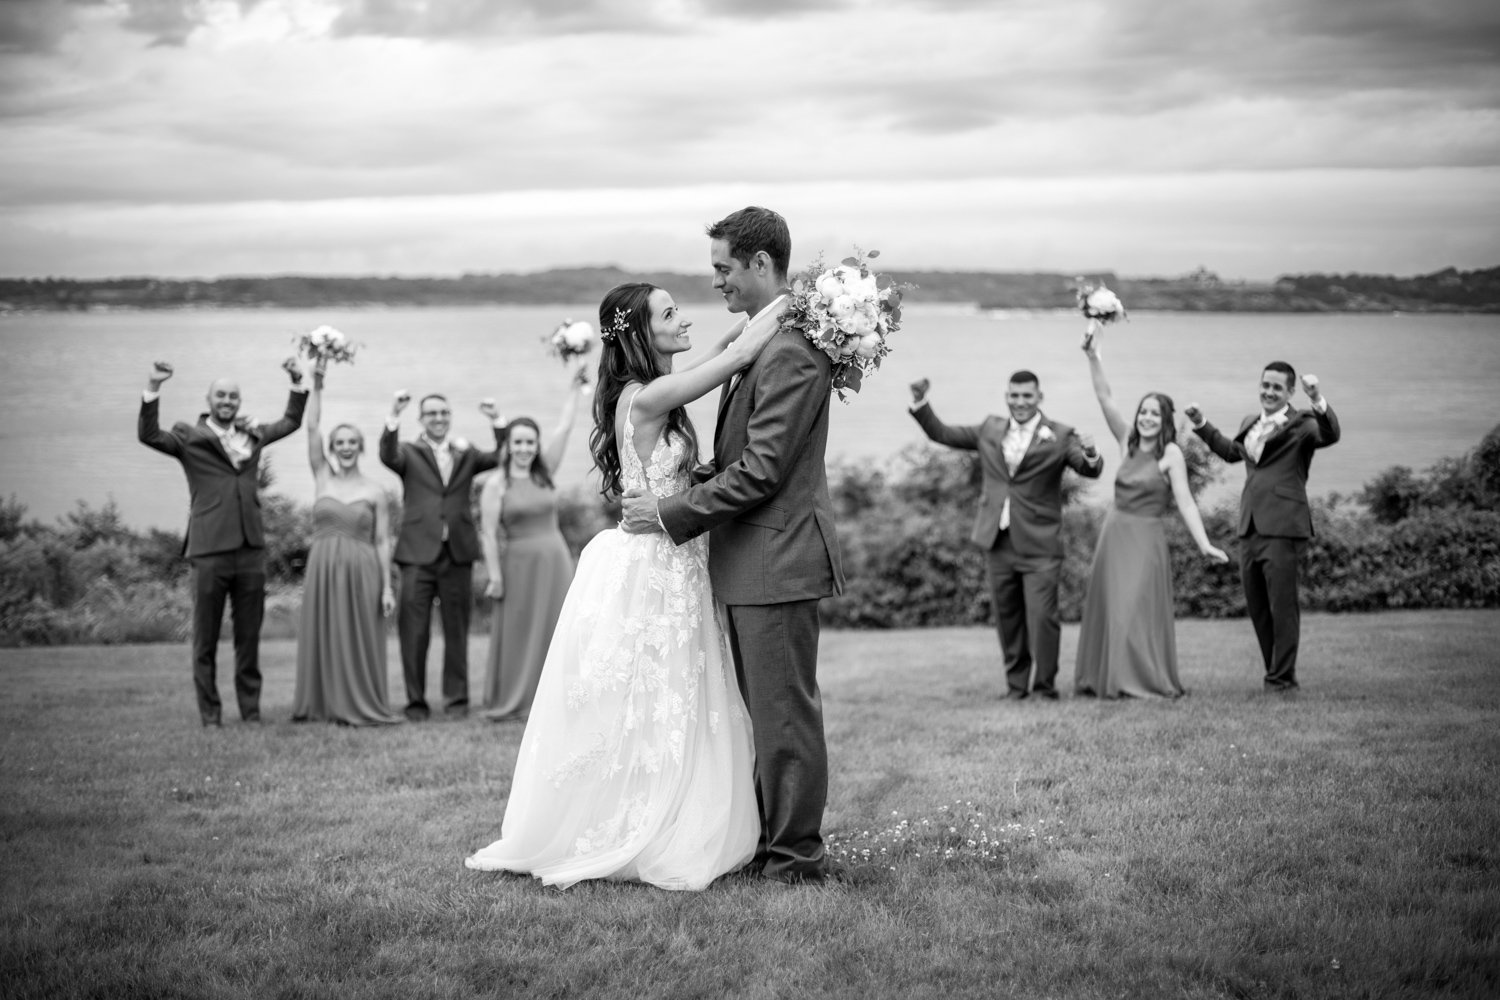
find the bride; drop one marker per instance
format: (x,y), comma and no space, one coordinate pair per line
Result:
(637,762)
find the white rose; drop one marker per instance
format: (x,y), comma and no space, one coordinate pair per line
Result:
(1103,301)
(325,335)
(848,347)
(579,336)
(868,346)
(863,287)
(830,286)
(843,307)
(861,323)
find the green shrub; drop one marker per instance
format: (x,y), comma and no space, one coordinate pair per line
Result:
(1420,541)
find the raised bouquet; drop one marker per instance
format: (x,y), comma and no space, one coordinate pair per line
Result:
(845,312)
(570,340)
(326,344)
(1099,306)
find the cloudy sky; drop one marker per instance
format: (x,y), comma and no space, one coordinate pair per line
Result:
(1254,137)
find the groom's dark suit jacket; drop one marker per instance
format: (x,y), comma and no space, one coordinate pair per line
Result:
(225,501)
(1034,489)
(1274,502)
(428,503)
(772,538)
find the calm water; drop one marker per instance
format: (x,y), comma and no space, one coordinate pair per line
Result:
(1408,389)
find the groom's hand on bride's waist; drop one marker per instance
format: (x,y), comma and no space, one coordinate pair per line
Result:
(638,514)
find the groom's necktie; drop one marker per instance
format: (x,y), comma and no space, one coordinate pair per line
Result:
(443,452)
(1255,440)
(235,441)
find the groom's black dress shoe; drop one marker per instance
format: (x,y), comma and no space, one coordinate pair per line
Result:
(1049,695)
(417,713)
(1014,695)
(830,874)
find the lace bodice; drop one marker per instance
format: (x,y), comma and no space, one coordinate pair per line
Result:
(661,476)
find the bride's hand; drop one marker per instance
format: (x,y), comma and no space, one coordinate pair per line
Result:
(748,345)
(1216,554)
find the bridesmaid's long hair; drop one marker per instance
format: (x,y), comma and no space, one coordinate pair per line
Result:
(627,356)
(540,474)
(1168,433)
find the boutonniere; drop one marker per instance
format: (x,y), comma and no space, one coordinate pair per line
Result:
(459,445)
(1044,433)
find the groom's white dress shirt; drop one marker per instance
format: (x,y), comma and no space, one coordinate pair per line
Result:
(735,382)
(1017,439)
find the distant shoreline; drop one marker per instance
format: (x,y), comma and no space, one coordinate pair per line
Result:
(1446,291)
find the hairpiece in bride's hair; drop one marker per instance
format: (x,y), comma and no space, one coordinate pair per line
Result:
(617,326)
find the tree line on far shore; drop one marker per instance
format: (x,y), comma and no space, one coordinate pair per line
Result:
(1409,539)
(1448,290)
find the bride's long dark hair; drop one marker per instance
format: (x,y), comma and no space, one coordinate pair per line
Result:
(626,357)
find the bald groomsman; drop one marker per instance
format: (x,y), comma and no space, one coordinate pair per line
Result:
(220,455)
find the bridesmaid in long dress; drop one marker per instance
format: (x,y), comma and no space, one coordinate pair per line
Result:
(527,560)
(341,665)
(1128,641)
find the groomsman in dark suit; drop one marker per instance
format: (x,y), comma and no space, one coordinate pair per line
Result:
(225,541)
(437,546)
(1019,521)
(1277,448)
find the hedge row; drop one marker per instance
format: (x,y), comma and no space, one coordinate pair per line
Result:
(1413,541)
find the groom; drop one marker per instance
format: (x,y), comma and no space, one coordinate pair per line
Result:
(773,553)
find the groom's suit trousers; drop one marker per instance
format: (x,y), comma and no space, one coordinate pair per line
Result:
(775,648)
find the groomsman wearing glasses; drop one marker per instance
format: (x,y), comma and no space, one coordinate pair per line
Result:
(1277,448)
(225,542)
(437,546)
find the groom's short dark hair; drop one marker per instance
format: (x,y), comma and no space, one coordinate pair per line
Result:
(753,229)
(1285,369)
(1024,376)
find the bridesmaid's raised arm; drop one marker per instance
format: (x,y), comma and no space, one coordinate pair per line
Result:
(310,420)
(1118,426)
(558,446)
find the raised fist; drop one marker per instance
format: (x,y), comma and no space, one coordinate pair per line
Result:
(919,389)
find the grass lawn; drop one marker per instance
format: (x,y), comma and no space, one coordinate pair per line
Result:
(1341,843)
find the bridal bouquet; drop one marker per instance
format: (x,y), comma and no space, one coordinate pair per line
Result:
(1099,306)
(845,312)
(326,344)
(570,340)
(1098,303)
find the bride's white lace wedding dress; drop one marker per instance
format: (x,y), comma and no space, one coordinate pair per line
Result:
(637,759)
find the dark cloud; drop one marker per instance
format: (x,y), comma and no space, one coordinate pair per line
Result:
(37,25)
(1296,48)
(490,18)
(480,18)
(166,22)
